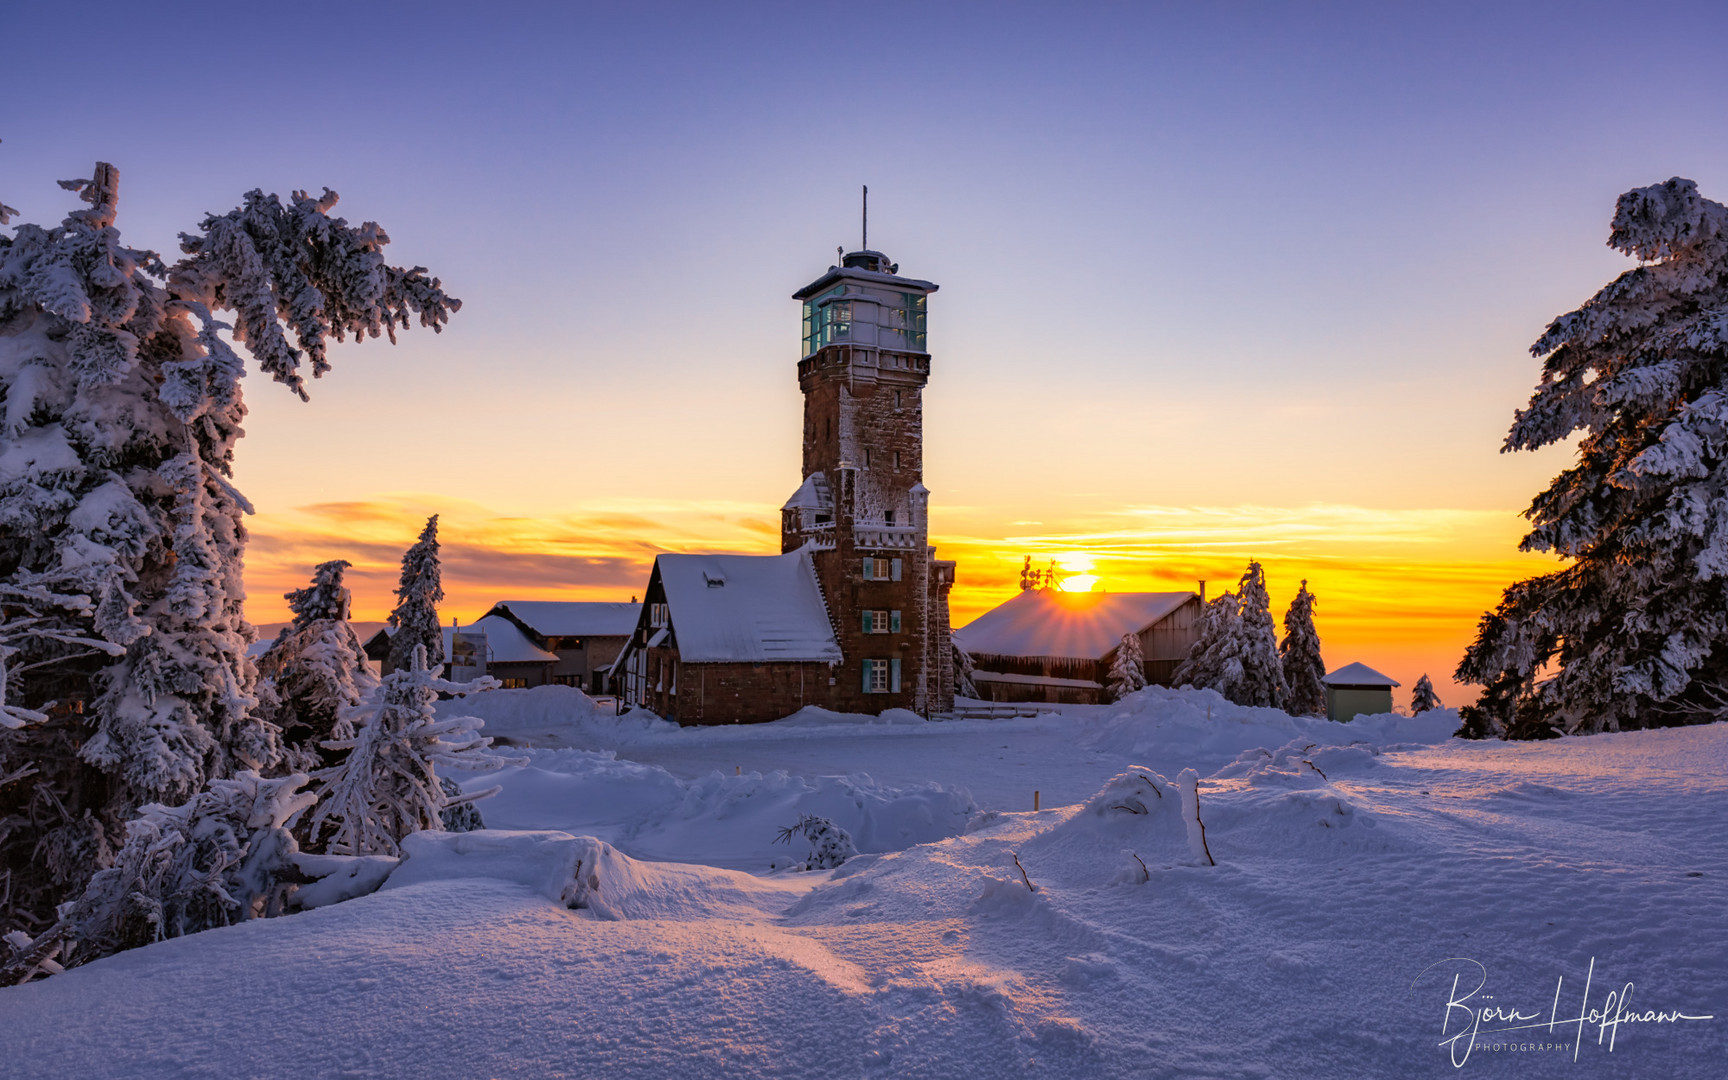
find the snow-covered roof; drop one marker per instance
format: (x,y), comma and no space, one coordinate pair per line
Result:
(1048,622)
(812,494)
(746,608)
(378,644)
(1359,675)
(573,618)
(505,642)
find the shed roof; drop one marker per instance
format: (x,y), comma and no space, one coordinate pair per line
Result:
(505,642)
(572,618)
(1082,625)
(748,608)
(1359,675)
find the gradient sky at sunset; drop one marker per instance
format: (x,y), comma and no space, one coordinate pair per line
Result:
(1218,281)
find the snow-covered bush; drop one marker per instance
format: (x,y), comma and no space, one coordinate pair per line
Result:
(1126,673)
(1422,697)
(830,845)
(1300,656)
(317,666)
(120,408)
(223,856)
(415,618)
(963,669)
(1634,630)
(389,785)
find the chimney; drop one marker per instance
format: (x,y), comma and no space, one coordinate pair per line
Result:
(1202,590)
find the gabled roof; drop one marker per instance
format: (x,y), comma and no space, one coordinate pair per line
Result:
(505,642)
(571,618)
(1080,625)
(746,608)
(378,645)
(1359,675)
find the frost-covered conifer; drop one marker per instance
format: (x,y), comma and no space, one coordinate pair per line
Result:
(1300,653)
(1422,698)
(1126,673)
(1635,628)
(417,598)
(1262,669)
(120,408)
(1237,650)
(389,785)
(1212,663)
(317,666)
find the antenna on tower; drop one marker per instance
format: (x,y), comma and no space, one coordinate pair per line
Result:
(866,244)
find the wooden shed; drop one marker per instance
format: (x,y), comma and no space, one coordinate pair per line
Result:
(1357,690)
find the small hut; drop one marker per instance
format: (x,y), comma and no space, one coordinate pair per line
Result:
(1357,690)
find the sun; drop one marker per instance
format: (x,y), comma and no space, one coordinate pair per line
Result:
(1076,573)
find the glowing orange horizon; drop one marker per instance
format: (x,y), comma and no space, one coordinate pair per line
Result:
(1399,590)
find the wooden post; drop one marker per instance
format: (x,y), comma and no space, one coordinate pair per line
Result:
(1034,800)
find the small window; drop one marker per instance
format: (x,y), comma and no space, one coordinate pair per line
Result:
(896,459)
(888,515)
(866,457)
(881,622)
(896,401)
(656,614)
(877,676)
(881,570)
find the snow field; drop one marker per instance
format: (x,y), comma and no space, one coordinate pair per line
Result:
(1349,858)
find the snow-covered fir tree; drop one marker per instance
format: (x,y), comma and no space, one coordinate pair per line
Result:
(388,786)
(1212,663)
(120,408)
(1262,668)
(1236,653)
(317,666)
(1126,671)
(1423,698)
(1300,655)
(1635,629)
(417,597)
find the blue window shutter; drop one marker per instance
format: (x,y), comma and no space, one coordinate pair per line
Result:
(866,622)
(895,570)
(867,664)
(869,569)
(894,675)
(893,622)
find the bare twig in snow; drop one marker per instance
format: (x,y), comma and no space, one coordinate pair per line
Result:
(1029,886)
(1317,769)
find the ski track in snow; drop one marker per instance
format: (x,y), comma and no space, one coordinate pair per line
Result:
(929,957)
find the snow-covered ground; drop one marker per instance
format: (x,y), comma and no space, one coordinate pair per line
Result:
(1361,868)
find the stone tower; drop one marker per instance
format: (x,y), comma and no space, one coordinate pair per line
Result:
(862,506)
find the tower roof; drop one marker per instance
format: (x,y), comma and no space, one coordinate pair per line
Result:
(868,266)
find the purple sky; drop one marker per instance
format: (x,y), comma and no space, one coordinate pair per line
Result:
(1194,255)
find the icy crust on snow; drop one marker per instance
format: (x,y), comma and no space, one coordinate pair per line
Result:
(718,819)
